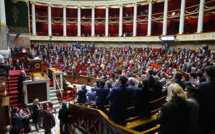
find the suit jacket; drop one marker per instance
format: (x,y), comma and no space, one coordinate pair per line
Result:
(63,115)
(174,117)
(102,93)
(20,80)
(194,127)
(48,120)
(120,98)
(206,98)
(82,96)
(143,96)
(16,121)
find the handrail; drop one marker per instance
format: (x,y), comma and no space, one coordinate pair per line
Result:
(103,118)
(58,86)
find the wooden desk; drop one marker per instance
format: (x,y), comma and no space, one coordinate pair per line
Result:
(82,79)
(69,78)
(93,81)
(4,113)
(39,88)
(56,76)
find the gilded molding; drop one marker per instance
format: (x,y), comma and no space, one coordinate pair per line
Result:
(148,35)
(78,6)
(199,31)
(64,6)
(64,35)
(184,37)
(3,24)
(92,6)
(180,33)
(120,5)
(49,4)
(33,2)
(34,34)
(107,6)
(148,1)
(135,3)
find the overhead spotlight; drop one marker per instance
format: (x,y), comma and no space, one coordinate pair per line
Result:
(167,38)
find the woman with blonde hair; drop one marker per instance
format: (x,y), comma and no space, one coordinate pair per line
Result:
(174,115)
(36,113)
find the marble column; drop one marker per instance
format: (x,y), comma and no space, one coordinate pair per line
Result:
(79,20)
(2,13)
(120,19)
(64,21)
(149,19)
(165,17)
(135,20)
(34,31)
(201,16)
(4,45)
(93,22)
(181,24)
(107,21)
(49,20)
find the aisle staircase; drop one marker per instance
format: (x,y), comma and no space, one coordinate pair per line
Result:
(12,92)
(54,99)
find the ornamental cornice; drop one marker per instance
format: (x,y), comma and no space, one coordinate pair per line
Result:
(89,3)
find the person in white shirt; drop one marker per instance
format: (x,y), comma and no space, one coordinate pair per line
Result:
(24,115)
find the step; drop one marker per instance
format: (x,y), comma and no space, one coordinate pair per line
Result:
(55,102)
(13,85)
(12,81)
(13,78)
(56,106)
(53,98)
(12,88)
(52,94)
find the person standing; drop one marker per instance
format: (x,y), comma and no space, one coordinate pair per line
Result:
(82,94)
(194,127)
(143,96)
(20,85)
(63,117)
(36,113)
(17,66)
(49,120)
(24,113)
(174,114)
(206,98)
(16,120)
(101,95)
(91,95)
(119,98)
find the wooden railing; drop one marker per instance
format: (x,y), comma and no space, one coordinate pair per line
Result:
(94,121)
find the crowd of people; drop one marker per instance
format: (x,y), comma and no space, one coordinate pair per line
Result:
(42,118)
(190,103)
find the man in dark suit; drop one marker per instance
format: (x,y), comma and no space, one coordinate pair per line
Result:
(64,119)
(120,98)
(143,96)
(206,97)
(17,66)
(20,85)
(16,120)
(151,78)
(82,94)
(101,95)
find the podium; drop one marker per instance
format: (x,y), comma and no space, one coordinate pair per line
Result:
(36,65)
(82,80)
(56,76)
(39,88)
